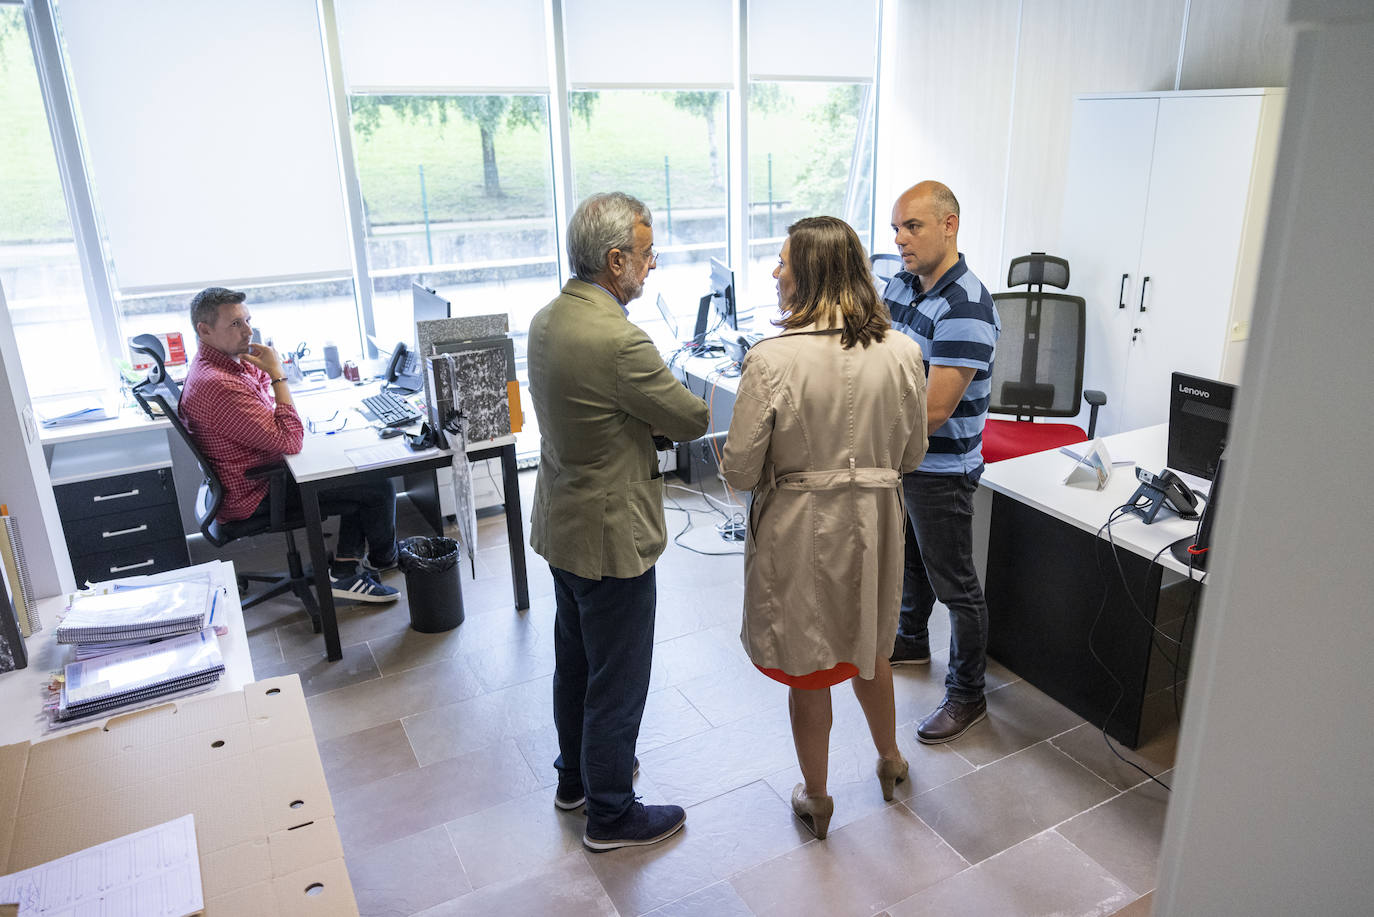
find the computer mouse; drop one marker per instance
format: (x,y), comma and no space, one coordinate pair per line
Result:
(389,432)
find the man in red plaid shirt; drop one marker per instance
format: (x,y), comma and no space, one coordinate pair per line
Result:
(237,405)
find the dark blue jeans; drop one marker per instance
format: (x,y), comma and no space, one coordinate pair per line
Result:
(603,643)
(939,564)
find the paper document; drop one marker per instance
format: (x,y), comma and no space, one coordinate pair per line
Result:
(384,453)
(151,873)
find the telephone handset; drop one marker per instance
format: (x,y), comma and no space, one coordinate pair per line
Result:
(1165,488)
(403,372)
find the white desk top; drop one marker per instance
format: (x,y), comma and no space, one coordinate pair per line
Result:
(130,419)
(323,454)
(1036,481)
(22,692)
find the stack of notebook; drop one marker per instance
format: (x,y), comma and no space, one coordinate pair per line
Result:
(138,674)
(128,615)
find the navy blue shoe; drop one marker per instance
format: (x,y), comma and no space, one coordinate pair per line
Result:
(640,826)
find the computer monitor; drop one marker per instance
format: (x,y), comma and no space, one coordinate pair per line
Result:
(723,293)
(668,317)
(428,304)
(1199,423)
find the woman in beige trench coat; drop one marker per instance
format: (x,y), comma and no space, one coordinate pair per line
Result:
(830,414)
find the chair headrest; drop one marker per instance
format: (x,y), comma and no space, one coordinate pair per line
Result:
(1037,269)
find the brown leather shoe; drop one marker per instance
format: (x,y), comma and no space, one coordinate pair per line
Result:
(950,720)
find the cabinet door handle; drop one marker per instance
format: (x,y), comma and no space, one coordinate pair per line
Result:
(128,493)
(1121,295)
(136,529)
(1142,291)
(146,563)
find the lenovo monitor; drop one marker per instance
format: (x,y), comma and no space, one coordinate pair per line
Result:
(1199,423)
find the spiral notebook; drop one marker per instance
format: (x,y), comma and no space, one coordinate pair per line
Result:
(139,674)
(17,571)
(137,613)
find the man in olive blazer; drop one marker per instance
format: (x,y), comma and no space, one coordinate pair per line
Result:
(601,392)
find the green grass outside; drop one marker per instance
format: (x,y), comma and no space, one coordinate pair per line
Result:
(31,205)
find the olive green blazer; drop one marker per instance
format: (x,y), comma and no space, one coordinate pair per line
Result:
(600,390)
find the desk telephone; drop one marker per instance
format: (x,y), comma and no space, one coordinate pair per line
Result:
(403,372)
(1163,489)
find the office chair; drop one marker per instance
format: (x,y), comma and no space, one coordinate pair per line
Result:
(210,497)
(150,346)
(1038,368)
(885,267)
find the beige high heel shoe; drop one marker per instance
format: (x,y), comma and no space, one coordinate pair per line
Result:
(891,773)
(814,811)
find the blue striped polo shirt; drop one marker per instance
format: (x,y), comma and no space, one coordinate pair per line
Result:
(956,324)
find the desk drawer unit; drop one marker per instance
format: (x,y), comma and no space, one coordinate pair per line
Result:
(122,525)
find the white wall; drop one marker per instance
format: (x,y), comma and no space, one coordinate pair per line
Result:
(1273,809)
(979,95)
(24,482)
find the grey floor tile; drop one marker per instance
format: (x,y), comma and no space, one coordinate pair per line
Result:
(263,647)
(858,870)
(319,674)
(1140,907)
(372,703)
(358,623)
(1002,804)
(540,748)
(1019,715)
(454,729)
(668,718)
(525,658)
(723,697)
(691,656)
(407,875)
(1042,875)
(705,766)
(722,837)
(362,757)
(516,838)
(1124,834)
(394,807)
(566,888)
(1086,745)
(719,900)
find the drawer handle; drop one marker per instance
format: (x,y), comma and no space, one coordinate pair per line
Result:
(146,563)
(128,493)
(132,531)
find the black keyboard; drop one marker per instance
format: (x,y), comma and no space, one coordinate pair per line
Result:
(390,410)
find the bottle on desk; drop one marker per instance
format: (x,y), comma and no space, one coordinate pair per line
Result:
(332,367)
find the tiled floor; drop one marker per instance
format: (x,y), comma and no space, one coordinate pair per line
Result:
(439,753)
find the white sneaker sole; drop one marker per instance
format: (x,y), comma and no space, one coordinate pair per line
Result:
(613,844)
(344,595)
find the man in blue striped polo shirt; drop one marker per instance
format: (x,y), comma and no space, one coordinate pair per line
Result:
(938,302)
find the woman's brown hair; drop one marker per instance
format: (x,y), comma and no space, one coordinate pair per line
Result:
(831,274)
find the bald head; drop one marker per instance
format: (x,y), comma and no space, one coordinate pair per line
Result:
(925,223)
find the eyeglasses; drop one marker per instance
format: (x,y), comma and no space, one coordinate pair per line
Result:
(650,256)
(326,425)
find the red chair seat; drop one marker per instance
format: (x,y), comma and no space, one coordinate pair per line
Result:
(1004,439)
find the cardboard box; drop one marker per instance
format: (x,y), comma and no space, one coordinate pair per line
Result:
(245,764)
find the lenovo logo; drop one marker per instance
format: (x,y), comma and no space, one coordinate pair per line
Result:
(1194,391)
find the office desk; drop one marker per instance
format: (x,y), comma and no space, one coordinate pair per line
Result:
(22,692)
(1052,584)
(323,464)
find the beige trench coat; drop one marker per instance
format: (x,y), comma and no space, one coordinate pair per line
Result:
(821,435)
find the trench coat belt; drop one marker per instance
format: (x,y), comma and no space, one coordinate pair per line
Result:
(840,477)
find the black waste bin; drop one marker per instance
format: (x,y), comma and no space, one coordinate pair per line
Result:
(432,583)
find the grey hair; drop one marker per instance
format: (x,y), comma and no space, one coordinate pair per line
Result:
(205,305)
(600,223)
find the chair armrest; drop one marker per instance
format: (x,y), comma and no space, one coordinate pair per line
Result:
(279,481)
(1096,399)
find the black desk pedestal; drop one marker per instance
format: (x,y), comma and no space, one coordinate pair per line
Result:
(1046,581)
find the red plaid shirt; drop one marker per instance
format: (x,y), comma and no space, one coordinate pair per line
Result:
(229,409)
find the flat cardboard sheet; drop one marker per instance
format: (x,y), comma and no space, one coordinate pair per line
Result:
(245,764)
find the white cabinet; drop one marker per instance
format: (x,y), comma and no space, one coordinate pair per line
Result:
(1164,213)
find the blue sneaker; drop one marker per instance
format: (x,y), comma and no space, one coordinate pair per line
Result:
(640,826)
(361,587)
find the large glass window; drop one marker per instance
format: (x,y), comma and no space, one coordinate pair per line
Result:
(39,268)
(457,196)
(669,149)
(810,154)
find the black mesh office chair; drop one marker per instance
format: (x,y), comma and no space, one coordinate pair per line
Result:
(885,267)
(1038,368)
(157,378)
(210,497)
